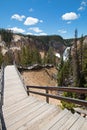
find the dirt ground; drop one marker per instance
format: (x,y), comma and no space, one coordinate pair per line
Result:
(42,77)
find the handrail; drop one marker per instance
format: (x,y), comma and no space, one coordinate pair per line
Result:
(2,123)
(65,89)
(1,84)
(20,76)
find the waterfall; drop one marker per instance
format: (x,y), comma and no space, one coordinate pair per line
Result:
(66,53)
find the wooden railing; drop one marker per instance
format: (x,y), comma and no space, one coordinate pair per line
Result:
(18,72)
(60,97)
(2,123)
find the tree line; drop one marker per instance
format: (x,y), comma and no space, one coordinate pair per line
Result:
(28,55)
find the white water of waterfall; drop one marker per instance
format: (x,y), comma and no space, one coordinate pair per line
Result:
(66,53)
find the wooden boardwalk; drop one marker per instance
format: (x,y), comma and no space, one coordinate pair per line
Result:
(22,112)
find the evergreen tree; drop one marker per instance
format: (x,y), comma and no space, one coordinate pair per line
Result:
(17,58)
(24,56)
(8,58)
(30,56)
(65,70)
(81,53)
(60,72)
(36,57)
(64,73)
(50,57)
(44,58)
(76,69)
(6,36)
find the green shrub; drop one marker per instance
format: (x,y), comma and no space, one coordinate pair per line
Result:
(69,106)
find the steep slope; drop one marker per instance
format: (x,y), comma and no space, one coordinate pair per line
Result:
(43,77)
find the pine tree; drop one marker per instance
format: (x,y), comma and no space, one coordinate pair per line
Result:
(76,69)
(6,36)
(60,72)
(50,57)
(36,57)
(81,53)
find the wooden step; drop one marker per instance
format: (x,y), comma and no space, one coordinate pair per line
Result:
(28,107)
(57,118)
(78,124)
(42,119)
(27,116)
(22,112)
(61,122)
(13,100)
(18,107)
(68,123)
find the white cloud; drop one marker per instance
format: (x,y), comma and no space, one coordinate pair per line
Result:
(29,33)
(17,30)
(84,3)
(70,16)
(18,17)
(31,10)
(32,21)
(82,6)
(62,31)
(35,29)
(42,33)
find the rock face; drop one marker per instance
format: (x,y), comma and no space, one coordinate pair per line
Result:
(43,43)
(16,38)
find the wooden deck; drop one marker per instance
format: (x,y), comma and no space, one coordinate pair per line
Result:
(22,112)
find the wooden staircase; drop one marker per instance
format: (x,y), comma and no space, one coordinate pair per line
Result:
(22,112)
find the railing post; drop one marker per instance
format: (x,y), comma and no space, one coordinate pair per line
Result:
(27,90)
(47,98)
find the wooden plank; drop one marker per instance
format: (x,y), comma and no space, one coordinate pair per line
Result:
(18,108)
(55,119)
(78,124)
(16,105)
(68,123)
(13,100)
(27,117)
(61,122)
(11,119)
(22,128)
(42,119)
(84,126)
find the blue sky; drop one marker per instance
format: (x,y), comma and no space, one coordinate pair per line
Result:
(44,17)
